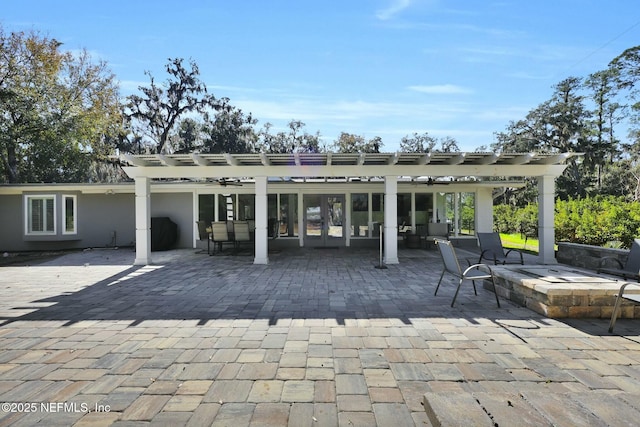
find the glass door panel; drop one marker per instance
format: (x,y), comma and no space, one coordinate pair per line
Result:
(335,217)
(313,218)
(323,220)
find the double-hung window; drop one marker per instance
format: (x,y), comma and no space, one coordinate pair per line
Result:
(69,214)
(41,214)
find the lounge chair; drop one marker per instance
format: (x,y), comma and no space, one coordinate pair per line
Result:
(491,249)
(628,270)
(436,230)
(203,234)
(241,233)
(622,295)
(220,236)
(452,266)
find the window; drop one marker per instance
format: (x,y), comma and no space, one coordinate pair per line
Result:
(246,207)
(467,206)
(206,208)
(69,213)
(282,211)
(41,217)
(360,215)
(423,209)
(289,215)
(377,212)
(404,210)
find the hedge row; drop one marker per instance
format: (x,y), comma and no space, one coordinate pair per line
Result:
(600,221)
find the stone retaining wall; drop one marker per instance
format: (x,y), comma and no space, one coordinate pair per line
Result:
(587,256)
(561,291)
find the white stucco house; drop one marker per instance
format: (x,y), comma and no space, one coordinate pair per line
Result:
(327,199)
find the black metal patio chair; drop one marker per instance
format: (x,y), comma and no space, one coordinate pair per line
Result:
(452,266)
(629,270)
(491,249)
(435,231)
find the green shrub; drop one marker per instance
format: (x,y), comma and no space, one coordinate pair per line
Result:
(596,221)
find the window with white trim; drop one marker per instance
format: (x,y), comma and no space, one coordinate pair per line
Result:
(41,214)
(69,214)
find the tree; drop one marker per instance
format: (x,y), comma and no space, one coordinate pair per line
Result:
(560,124)
(417,143)
(59,113)
(159,108)
(627,67)
(187,138)
(604,148)
(448,144)
(229,131)
(425,143)
(296,140)
(351,143)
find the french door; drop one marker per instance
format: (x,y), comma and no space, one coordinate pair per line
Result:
(324,220)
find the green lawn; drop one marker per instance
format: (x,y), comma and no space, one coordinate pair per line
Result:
(517,241)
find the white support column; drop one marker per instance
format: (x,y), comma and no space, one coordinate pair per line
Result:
(391,220)
(434,207)
(456,214)
(195,203)
(143,221)
(413,213)
(215,207)
(484,210)
(261,235)
(546,214)
(346,212)
(300,219)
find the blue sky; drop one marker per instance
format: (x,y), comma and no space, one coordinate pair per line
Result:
(385,68)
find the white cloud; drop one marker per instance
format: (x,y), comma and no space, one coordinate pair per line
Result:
(338,112)
(393,9)
(447,89)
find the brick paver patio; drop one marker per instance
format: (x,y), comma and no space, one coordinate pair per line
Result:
(315,338)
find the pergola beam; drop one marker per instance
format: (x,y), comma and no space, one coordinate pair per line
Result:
(307,171)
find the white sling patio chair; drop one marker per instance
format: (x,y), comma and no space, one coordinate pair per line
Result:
(452,266)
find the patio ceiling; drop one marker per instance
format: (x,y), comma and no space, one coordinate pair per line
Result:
(196,165)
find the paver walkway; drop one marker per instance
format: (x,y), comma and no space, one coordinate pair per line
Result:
(315,338)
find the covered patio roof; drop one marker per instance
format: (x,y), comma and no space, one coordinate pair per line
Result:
(262,167)
(195,165)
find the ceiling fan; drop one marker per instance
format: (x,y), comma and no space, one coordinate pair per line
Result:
(225,182)
(430,182)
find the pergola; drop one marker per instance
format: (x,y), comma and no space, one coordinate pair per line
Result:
(493,168)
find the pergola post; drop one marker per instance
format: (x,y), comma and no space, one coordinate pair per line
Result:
(546,214)
(484,210)
(391,220)
(143,220)
(261,233)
